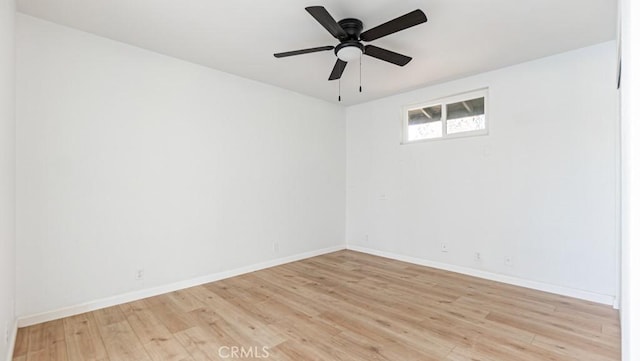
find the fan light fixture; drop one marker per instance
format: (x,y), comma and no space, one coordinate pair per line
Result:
(349,32)
(349,53)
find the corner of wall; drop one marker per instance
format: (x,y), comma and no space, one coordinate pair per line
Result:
(7,178)
(13,334)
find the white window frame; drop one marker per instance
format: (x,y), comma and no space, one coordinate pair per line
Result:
(484,93)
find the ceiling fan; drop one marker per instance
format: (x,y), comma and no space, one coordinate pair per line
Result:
(349,33)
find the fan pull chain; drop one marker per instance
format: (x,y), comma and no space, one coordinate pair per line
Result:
(339,90)
(360,73)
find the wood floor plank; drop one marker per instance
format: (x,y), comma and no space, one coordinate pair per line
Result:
(463,355)
(219,330)
(581,341)
(144,322)
(22,343)
(57,351)
(380,331)
(47,342)
(244,322)
(613,331)
(570,349)
(293,350)
(108,316)
(167,312)
(373,347)
(167,349)
(199,344)
(184,301)
(121,342)
(83,338)
(305,337)
(343,306)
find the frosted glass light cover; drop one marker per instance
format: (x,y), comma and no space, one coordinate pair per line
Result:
(349,53)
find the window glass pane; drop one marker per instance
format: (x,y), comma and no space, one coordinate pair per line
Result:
(466,124)
(465,116)
(425,123)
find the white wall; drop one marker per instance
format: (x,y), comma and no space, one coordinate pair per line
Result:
(540,188)
(7,175)
(630,91)
(128,159)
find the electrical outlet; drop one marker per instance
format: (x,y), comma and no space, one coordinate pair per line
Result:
(508,261)
(477,257)
(139,274)
(276,247)
(444,247)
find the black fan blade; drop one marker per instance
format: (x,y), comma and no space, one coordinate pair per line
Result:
(325,19)
(386,55)
(393,26)
(303,51)
(338,69)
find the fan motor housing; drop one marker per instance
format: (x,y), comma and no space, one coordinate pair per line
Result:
(353,28)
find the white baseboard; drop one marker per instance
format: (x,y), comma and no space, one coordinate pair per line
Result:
(540,286)
(12,341)
(29,320)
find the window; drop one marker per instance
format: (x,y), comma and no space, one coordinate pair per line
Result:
(455,116)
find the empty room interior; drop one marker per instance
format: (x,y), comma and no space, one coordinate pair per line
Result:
(207,180)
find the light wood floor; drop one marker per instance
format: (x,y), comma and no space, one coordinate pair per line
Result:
(341,306)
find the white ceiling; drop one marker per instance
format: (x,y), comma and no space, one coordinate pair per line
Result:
(462,37)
